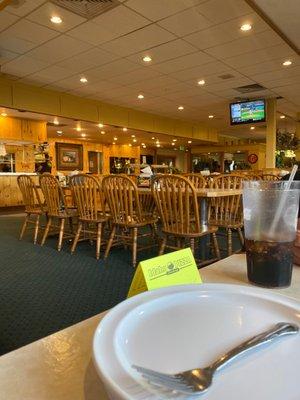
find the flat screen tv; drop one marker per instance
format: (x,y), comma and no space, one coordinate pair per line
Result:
(248,112)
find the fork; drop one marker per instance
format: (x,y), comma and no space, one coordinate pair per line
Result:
(198,380)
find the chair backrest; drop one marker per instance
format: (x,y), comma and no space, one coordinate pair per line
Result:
(88,197)
(176,202)
(53,195)
(197,180)
(270,177)
(30,193)
(228,208)
(122,197)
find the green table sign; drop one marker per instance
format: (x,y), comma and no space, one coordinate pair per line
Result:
(176,268)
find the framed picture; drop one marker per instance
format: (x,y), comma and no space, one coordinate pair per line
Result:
(69,156)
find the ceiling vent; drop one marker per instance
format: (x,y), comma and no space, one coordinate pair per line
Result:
(87,8)
(226,76)
(250,88)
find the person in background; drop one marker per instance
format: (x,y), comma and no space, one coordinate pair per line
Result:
(45,166)
(297,241)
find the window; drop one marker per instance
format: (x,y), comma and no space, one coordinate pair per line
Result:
(8,163)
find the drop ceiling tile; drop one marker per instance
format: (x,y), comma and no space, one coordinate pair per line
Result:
(263,67)
(219,10)
(185,22)
(91,33)
(51,74)
(24,8)
(158,9)
(6,19)
(43,14)
(164,52)
(15,44)
(6,56)
(279,74)
(201,71)
(30,31)
(138,75)
(23,66)
(260,56)
(182,63)
(87,60)
(114,68)
(245,45)
(282,82)
(58,49)
(137,41)
(164,88)
(158,82)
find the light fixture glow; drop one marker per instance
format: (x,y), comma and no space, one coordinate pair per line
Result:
(174,140)
(3,114)
(287,63)
(252,128)
(115,138)
(141,96)
(102,132)
(124,129)
(132,135)
(201,82)
(246,27)
(113,143)
(189,141)
(83,135)
(180,108)
(130,145)
(56,122)
(83,79)
(158,145)
(147,59)
(55,19)
(173,144)
(211,116)
(100,125)
(282,116)
(153,138)
(134,140)
(78,129)
(59,132)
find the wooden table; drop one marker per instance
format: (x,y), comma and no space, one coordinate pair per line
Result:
(60,367)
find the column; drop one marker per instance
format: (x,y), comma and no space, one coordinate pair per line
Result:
(271,133)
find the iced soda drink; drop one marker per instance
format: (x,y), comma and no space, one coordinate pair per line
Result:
(269,238)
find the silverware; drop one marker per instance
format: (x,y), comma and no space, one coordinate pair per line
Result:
(199,380)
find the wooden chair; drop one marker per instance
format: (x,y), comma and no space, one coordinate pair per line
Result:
(123,200)
(226,212)
(176,201)
(56,208)
(33,204)
(198,181)
(270,177)
(88,198)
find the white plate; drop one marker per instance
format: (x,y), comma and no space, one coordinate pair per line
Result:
(184,327)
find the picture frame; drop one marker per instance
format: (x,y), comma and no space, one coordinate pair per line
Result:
(69,156)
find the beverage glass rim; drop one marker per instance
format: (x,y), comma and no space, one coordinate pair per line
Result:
(271,186)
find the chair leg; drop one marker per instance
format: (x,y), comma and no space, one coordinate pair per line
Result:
(36,228)
(216,246)
(193,245)
(24,226)
(162,246)
(229,242)
(98,243)
(110,241)
(134,246)
(61,233)
(71,225)
(75,241)
(241,237)
(46,231)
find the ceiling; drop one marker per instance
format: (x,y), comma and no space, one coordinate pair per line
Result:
(188,40)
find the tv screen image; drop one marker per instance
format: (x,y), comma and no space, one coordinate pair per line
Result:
(247,112)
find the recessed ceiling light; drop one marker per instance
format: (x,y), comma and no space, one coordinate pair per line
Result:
(100,125)
(287,63)
(134,140)
(201,82)
(174,140)
(211,116)
(115,138)
(55,19)
(173,144)
(102,132)
(147,59)
(78,129)
(189,141)
(83,135)
(3,114)
(175,148)
(180,108)
(246,27)
(158,145)
(132,135)
(141,96)
(83,79)
(143,144)
(130,144)
(124,129)
(252,128)
(59,132)
(282,116)
(56,122)
(153,138)
(113,143)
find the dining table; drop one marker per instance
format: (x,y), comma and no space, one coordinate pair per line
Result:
(60,366)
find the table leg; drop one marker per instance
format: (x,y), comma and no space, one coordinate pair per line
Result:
(204,241)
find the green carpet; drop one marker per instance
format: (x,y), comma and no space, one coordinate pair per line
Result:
(43,291)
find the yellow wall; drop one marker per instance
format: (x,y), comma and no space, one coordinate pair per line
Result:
(31,98)
(107,150)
